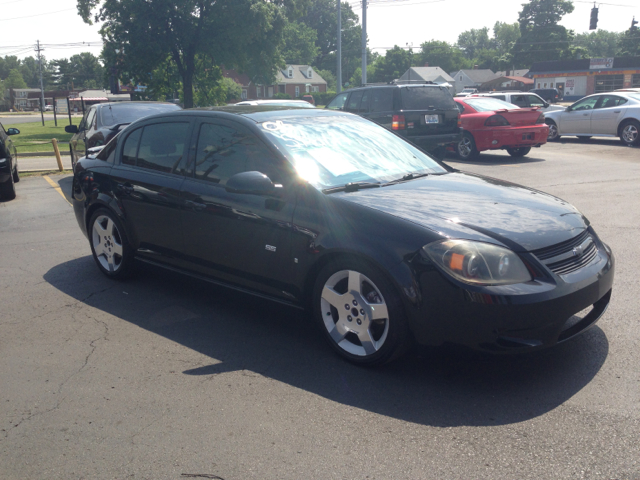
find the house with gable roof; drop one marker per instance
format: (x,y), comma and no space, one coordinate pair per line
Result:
(472,78)
(294,80)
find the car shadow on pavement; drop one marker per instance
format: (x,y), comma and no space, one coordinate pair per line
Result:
(431,386)
(489,159)
(65,184)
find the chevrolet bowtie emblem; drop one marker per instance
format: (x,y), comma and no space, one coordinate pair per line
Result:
(577,251)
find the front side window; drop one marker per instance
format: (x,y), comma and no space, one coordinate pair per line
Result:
(535,101)
(588,103)
(519,100)
(338,102)
(130,149)
(224,150)
(354,102)
(328,151)
(162,146)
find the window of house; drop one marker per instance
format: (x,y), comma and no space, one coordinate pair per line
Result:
(223,151)
(307,89)
(162,146)
(297,91)
(460,77)
(259,92)
(545,85)
(315,89)
(244,94)
(635,80)
(309,73)
(551,85)
(290,72)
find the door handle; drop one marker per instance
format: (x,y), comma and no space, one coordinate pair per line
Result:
(617,111)
(125,188)
(585,114)
(195,205)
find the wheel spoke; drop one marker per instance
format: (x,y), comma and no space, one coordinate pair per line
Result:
(355,281)
(368,343)
(110,227)
(117,249)
(333,297)
(338,332)
(99,249)
(379,311)
(110,262)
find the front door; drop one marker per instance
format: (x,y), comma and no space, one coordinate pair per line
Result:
(239,238)
(578,118)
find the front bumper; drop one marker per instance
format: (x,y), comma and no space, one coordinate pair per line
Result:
(513,318)
(511,137)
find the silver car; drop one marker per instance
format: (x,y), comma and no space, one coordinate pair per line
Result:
(612,114)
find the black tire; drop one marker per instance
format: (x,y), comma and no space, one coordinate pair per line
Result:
(553,131)
(630,133)
(584,138)
(466,147)
(110,245)
(518,152)
(8,189)
(16,173)
(386,330)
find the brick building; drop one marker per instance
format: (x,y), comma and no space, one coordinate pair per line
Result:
(294,80)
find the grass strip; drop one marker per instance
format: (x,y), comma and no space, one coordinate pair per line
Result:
(34,137)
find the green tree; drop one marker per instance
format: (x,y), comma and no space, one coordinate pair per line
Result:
(242,34)
(328,77)
(299,44)
(505,35)
(630,42)
(600,43)
(7,64)
(474,40)
(392,65)
(542,38)
(441,54)
(15,80)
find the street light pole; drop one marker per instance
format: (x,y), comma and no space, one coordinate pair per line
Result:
(339,56)
(38,49)
(364,42)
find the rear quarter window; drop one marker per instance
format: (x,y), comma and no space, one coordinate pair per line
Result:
(424,98)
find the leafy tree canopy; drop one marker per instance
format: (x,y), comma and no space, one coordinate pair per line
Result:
(600,43)
(299,44)
(630,42)
(441,54)
(15,80)
(471,41)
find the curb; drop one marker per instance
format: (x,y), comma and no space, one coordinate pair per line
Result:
(43,154)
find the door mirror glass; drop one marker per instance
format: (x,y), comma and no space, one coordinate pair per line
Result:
(71,129)
(254,183)
(13,131)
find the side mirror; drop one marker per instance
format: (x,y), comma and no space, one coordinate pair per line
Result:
(253,183)
(71,129)
(545,105)
(13,131)
(94,150)
(568,109)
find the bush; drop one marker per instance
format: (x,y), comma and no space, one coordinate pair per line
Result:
(322,98)
(282,96)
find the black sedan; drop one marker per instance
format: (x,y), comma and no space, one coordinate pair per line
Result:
(9,174)
(328,211)
(101,122)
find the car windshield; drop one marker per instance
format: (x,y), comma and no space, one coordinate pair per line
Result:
(422,98)
(130,112)
(331,151)
(487,104)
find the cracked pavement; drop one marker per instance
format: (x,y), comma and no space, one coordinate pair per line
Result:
(165,377)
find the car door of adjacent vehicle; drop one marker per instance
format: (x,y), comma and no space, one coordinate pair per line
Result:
(79,142)
(147,183)
(578,118)
(607,114)
(381,106)
(239,238)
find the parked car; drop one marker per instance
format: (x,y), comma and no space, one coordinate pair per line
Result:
(615,114)
(424,114)
(377,239)
(466,92)
(276,102)
(551,95)
(522,100)
(309,98)
(492,124)
(103,121)
(9,174)
(48,108)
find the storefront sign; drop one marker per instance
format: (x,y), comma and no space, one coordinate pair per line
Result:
(571,83)
(600,63)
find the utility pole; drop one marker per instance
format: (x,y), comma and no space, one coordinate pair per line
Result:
(339,56)
(364,42)
(39,49)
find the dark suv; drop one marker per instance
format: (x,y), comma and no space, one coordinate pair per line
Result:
(424,114)
(8,164)
(551,95)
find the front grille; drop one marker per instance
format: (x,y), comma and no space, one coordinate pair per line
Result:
(569,256)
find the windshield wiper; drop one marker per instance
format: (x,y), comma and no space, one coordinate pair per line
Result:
(351,187)
(408,176)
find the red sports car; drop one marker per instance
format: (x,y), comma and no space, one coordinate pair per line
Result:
(492,124)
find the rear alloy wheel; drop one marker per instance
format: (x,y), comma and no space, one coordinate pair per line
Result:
(360,313)
(8,189)
(518,152)
(16,174)
(466,148)
(630,133)
(553,131)
(109,245)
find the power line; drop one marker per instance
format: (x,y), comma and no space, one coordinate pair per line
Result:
(36,15)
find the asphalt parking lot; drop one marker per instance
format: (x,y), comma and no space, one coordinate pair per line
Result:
(165,377)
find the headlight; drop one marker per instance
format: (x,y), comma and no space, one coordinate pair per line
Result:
(478,263)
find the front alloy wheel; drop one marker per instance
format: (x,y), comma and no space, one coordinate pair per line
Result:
(360,315)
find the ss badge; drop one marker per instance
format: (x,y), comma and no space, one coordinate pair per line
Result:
(270,248)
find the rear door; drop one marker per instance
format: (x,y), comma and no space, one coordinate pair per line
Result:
(428,110)
(606,115)
(381,105)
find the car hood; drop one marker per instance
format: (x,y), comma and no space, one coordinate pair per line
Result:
(521,218)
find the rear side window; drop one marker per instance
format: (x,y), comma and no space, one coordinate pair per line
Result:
(424,98)
(162,146)
(381,99)
(354,102)
(338,102)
